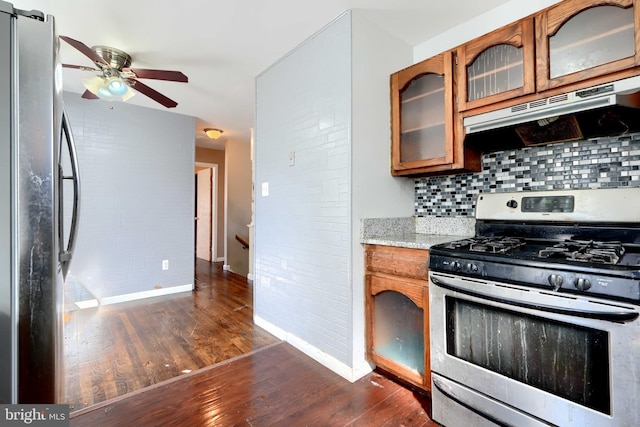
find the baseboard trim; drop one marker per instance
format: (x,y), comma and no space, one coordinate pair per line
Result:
(90,303)
(346,372)
(145,294)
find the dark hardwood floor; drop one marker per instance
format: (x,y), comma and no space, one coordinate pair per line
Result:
(276,385)
(197,359)
(116,349)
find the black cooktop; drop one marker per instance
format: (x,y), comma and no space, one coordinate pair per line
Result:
(609,269)
(589,253)
(574,241)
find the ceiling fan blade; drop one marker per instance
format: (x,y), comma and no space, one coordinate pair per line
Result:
(80,67)
(86,50)
(152,93)
(173,76)
(88,95)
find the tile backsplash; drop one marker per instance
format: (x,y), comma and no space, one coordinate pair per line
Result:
(596,163)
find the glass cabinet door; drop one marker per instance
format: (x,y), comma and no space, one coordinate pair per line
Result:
(399,330)
(581,39)
(422,119)
(497,66)
(422,114)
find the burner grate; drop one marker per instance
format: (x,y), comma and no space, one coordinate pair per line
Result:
(495,245)
(585,251)
(457,244)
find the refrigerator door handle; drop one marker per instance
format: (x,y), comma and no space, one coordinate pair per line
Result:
(66,251)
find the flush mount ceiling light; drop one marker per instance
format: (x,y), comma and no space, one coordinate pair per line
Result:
(213,133)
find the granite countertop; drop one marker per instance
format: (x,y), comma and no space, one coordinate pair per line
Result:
(414,241)
(415,232)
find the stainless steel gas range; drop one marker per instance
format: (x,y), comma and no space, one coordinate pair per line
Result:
(534,321)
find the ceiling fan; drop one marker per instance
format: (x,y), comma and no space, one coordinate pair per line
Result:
(116,80)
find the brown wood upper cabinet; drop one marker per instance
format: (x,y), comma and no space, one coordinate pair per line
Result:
(580,39)
(572,45)
(497,66)
(423,131)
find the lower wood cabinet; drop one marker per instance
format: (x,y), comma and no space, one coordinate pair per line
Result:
(397,311)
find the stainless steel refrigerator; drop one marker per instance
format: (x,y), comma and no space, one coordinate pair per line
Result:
(38,163)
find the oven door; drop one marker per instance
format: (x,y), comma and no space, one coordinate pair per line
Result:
(509,355)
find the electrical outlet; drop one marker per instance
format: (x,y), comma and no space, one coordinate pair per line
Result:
(165,264)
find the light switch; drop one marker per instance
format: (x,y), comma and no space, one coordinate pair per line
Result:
(292,158)
(265,189)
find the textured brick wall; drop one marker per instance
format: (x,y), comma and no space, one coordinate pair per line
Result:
(302,229)
(599,163)
(136,166)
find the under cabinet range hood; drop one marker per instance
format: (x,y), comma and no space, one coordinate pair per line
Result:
(605,110)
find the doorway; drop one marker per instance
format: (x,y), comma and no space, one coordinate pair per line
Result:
(206,177)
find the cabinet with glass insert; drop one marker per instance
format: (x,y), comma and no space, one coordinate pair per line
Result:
(397,312)
(497,66)
(423,131)
(581,39)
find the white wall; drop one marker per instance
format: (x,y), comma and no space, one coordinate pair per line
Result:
(327,101)
(482,24)
(137,205)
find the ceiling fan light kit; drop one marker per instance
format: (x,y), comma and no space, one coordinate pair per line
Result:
(117,82)
(109,89)
(213,133)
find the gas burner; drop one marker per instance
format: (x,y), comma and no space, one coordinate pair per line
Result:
(495,245)
(594,252)
(457,244)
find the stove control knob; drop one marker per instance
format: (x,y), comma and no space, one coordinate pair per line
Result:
(512,204)
(556,281)
(456,266)
(582,284)
(472,268)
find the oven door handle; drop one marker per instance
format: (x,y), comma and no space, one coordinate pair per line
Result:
(497,413)
(451,395)
(612,316)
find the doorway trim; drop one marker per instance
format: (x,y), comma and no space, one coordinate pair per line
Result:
(214,208)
